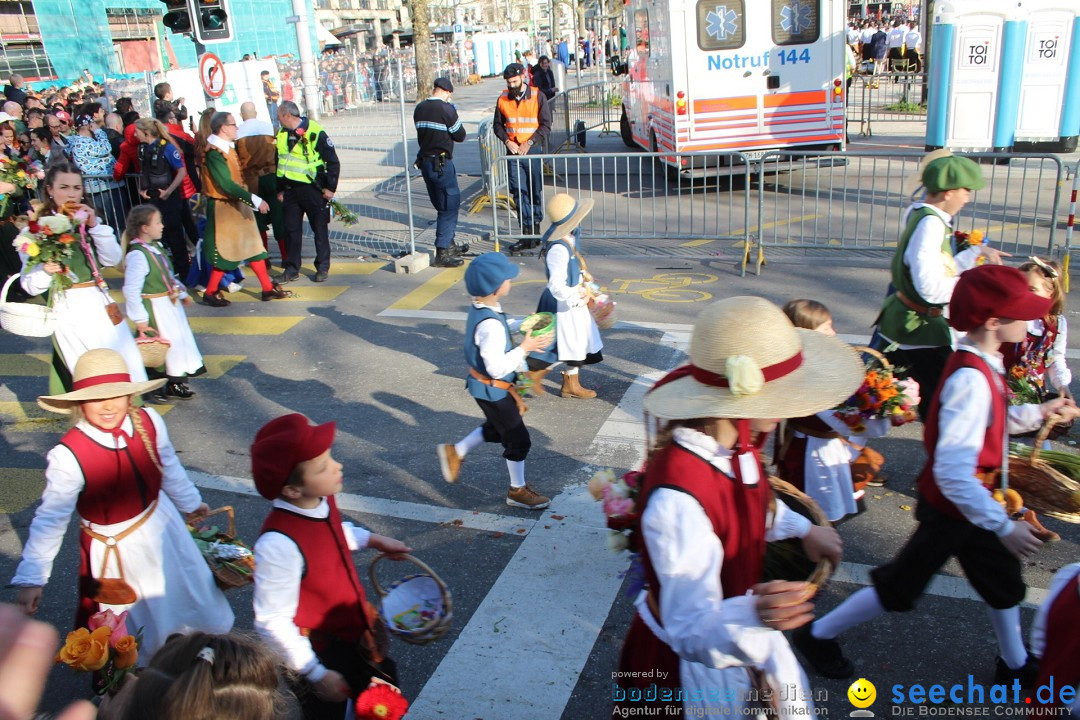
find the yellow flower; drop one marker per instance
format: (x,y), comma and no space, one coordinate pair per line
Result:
(32,249)
(85,650)
(21,174)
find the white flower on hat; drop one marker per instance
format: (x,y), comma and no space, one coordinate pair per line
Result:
(743,375)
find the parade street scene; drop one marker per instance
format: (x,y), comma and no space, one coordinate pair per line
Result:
(498,359)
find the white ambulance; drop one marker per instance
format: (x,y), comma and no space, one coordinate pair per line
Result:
(733,75)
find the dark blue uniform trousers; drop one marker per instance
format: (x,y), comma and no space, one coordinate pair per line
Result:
(442,188)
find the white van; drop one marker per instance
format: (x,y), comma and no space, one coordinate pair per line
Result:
(733,75)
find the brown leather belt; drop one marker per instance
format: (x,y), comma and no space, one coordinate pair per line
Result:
(501,385)
(151,296)
(927,310)
(78,285)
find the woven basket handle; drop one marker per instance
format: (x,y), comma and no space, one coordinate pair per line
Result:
(443,589)
(227,509)
(7,284)
(1044,432)
(874,354)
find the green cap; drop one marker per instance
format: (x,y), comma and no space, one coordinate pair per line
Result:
(951,173)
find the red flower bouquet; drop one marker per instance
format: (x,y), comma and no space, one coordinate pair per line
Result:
(882,396)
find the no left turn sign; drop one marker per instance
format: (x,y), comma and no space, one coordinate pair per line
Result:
(212,75)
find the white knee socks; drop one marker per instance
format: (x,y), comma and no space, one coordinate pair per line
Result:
(860,607)
(470,442)
(517,472)
(1009,636)
(571,370)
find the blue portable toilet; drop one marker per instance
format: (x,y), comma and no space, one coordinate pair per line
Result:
(1048,116)
(965,72)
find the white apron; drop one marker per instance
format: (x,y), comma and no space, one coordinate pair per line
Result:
(82,324)
(183,357)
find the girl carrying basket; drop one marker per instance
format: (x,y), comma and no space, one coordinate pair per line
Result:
(118,470)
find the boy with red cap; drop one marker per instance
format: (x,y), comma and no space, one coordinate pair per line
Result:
(966,438)
(308,597)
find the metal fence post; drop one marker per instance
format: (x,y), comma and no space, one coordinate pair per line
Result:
(405,156)
(1071,224)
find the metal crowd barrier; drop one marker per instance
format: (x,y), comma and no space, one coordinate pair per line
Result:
(495,190)
(886,97)
(577,110)
(638,199)
(1071,224)
(855,200)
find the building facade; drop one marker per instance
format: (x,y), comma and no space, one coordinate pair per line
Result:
(58,39)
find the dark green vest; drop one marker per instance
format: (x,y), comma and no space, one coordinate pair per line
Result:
(897,321)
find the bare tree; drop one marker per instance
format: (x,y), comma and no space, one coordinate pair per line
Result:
(425,75)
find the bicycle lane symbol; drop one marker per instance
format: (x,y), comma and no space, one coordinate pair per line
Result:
(666,287)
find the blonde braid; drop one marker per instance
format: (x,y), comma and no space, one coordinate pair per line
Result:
(136,422)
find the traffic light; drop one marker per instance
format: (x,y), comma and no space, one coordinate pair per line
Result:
(211,18)
(178,16)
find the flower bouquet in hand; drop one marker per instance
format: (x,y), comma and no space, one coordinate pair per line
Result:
(105,647)
(1024,385)
(882,396)
(342,214)
(48,239)
(620,502)
(20,174)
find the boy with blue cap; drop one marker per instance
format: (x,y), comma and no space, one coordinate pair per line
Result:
(493,364)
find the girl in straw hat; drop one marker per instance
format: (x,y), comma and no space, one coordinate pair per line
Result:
(118,470)
(156,299)
(87,318)
(577,338)
(704,620)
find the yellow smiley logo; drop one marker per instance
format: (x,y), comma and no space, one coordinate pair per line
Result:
(862,693)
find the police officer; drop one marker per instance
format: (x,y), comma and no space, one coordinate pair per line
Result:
(522,123)
(307,172)
(437,129)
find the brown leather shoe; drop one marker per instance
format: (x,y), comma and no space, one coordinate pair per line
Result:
(571,387)
(449,462)
(536,377)
(276,293)
(215,299)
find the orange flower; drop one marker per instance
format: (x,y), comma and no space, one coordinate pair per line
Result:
(975,238)
(66,239)
(888,393)
(1017,371)
(872,378)
(85,650)
(125,652)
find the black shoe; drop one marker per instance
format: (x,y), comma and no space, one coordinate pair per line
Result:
(444,258)
(287,277)
(457,250)
(157,397)
(320,276)
(215,299)
(178,390)
(1027,675)
(825,656)
(276,293)
(519,247)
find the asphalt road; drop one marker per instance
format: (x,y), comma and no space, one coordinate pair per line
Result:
(539,613)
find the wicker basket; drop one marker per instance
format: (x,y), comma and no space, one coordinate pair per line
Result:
(153,348)
(785,559)
(226,577)
(26,319)
(603,312)
(1045,490)
(417,608)
(528,323)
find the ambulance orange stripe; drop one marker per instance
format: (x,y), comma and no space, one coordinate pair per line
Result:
(748,102)
(810,97)
(764,141)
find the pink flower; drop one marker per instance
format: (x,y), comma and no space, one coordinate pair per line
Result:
(617,506)
(633,479)
(116,623)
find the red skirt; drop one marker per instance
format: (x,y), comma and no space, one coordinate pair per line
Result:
(639,683)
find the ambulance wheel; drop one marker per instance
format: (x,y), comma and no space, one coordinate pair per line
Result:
(625,131)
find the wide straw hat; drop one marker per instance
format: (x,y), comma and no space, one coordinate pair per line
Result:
(565,214)
(914,181)
(99,374)
(748,361)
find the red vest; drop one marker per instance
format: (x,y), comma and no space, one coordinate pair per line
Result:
(1061,656)
(119,484)
(331,597)
(737,512)
(992,454)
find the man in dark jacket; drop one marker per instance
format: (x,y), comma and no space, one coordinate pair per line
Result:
(437,129)
(13,90)
(544,77)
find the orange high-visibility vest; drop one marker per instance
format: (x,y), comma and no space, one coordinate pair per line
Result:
(522,118)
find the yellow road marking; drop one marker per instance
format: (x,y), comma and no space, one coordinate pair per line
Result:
(354,268)
(242,325)
(314,293)
(37,365)
(790,221)
(431,289)
(29,417)
(20,488)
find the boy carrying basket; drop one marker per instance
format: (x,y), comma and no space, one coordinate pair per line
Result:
(308,597)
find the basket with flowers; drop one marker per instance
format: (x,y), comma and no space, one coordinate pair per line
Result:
(882,396)
(104,646)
